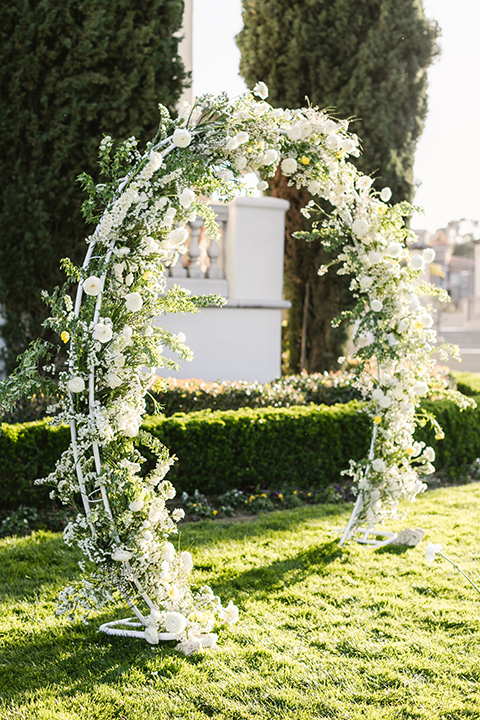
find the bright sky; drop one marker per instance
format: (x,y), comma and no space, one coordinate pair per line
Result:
(447,166)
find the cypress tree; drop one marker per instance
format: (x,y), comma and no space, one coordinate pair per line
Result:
(70,72)
(361,59)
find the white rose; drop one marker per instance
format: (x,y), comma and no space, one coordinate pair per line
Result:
(261,90)
(121,555)
(148,535)
(426,319)
(186,197)
(417,262)
(360,227)
(332,142)
(314,187)
(378,465)
(178,514)
(364,182)
(137,504)
(288,166)
(92,285)
(133,302)
(348,144)
(420,388)
(156,511)
(76,384)
(374,257)
(402,326)
(365,282)
(262,185)
(241,163)
(294,132)
(376,305)
(175,623)
(113,380)
(102,332)
(429,255)
(151,635)
(385,402)
(270,157)
(385,194)
(394,249)
(181,138)
(177,237)
(168,552)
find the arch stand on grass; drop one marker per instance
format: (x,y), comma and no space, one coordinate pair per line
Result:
(115,345)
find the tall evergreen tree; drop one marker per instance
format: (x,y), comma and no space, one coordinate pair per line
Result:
(361,59)
(70,71)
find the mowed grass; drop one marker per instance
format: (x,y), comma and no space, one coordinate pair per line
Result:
(324,632)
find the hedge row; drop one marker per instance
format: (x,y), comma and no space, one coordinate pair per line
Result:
(221,450)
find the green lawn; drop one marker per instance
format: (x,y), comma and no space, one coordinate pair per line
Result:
(324,632)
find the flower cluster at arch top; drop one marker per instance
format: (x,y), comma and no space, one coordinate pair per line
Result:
(116,342)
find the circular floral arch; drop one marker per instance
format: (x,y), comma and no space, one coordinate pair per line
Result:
(115,341)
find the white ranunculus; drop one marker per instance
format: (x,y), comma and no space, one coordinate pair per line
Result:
(378,465)
(376,305)
(364,182)
(360,227)
(151,634)
(133,302)
(262,185)
(177,237)
(365,282)
(102,333)
(181,137)
(426,319)
(76,384)
(394,249)
(314,187)
(186,561)
(186,198)
(260,90)
(332,141)
(121,555)
(431,550)
(137,504)
(241,163)
(429,255)
(168,552)
(374,257)
(385,402)
(288,166)
(175,623)
(294,132)
(420,388)
(92,285)
(417,262)
(385,194)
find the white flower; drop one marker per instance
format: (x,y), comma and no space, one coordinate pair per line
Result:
(364,182)
(374,257)
(241,137)
(241,163)
(376,305)
(181,137)
(270,156)
(154,618)
(261,90)
(92,285)
(417,262)
(426,319)
(151,634)
(420,388)
(190,646)
(360,227)
(178,514)
(385,401)
(137,504)
(377,394)
(186,561)
(314,187)
(365,282)
(262,185)
(121,555)
(294,132)
(151,245)
(175,623)
(230,613)
(157,510)
(186,197)
(385,194)
(177,237)
(133,302)
(209,641)
(168,552)
(394,249)
(76,384)
(102,332)
(288,166)
(332,142)
(429,454)
(431,550)
(348,145)
(113,380)
(378,465)
(148,535)
(429,255)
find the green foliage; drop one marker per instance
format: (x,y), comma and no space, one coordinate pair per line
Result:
(368,60)
(467,383)
(69,72)
(324,632)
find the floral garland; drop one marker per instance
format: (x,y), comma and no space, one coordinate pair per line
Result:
(115,341)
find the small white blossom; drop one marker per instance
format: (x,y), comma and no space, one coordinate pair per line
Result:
(385,194)
(376,305)
(181,137)
(378,465)
(288,166)
(260,90)
(102,333)
(417,262)
(186,197)
(431,550)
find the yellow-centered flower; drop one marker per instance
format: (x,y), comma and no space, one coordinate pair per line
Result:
(377,419)
(65,336)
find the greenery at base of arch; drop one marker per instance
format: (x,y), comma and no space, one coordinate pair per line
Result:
(111,328)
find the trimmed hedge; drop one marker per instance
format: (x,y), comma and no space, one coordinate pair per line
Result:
(222,450)
(467,383)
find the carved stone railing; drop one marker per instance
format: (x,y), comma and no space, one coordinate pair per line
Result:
(205,256)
